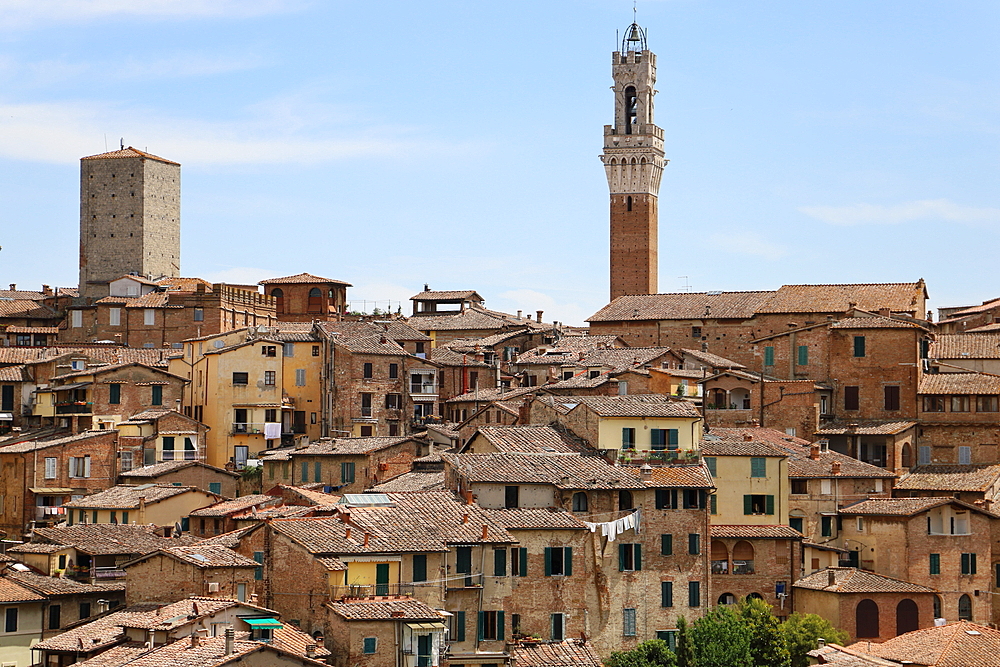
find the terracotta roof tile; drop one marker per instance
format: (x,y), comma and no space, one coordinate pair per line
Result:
(379,610)
(683,306)
(570,653)
(565,471)
(470,319)
(33,445)
(127,153)
(676,476)
(13,591)
(959,383)
(973,310)
(728,444)
(853,580)
(965,346)
(713,360)
(128,497)
(492,394)
(302,278)
(950,478)
(898,506)
(105,539)
(897,297)
(237,505)
(446,295)
(165,467)
(539,518)
(413,481)
(634,405)
(349,446)
(865,428)
(959,644)
(205,556)
(756,532)
(537,439)
(59,586)
(874,322)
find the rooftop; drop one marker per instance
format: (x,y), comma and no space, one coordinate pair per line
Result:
(965,346)
(959,383)
(536,439)
(853,580)
(977,478)
(959,644)
(302,278)
(128,153)
(129,497)
(564,471)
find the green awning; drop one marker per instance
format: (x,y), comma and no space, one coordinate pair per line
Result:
(262,623)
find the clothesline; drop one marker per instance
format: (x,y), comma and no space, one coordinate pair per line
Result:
(612,529)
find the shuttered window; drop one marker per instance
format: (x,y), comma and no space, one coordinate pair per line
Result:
(803,355)
(666,594)
(666,544)
(769,356)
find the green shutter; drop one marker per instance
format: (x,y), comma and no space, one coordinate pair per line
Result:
(157,394)
(370,644)
(758,466)
(666,594)
(124,517)
(748,505)
(523,561)
(803,355)
(769,356)
(972,563)
(419,567)
(715,503)
(770,505)
(621,557)
(567,561)
(666,544)
(317,471)
(215,487)
(500,625)
(460,626)
(480,625)
(114,393)
(305,472)
(656,439)
(258,572)
(673,499)
(500,562)
(710,461)
(548,561)
(637,556)
(694,593)
(694,544)
(935,564)
(859,346)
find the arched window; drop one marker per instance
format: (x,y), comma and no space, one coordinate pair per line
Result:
(743,558)
(625,500)
(720,558)
(579,501)
(866,619)
(965,608)
(937,606)
(755,596)
(727,598)
(906,456)
(907,616)
(630,108)
(628,203)
(315,300)
(279,297)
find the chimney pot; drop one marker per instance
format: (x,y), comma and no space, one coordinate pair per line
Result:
(486,531)
(310,650)
(538,314)
(195,640)
(465,518)
(835,468)
(519,314)
(747,437)
(347,533)
(646,471)
(366,539)
(230,640)
(831,577)
(814,451)
(13,286)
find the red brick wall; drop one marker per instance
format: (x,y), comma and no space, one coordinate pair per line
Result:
(633,244)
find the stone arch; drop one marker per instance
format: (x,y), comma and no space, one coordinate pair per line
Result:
(743,555)
(907,616)
(279,297)
(720,557)
(906,456)
(866,619)
(965,608)
(727,598)
(580,502)
(315,300)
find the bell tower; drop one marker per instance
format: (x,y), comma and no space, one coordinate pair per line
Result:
(633,160)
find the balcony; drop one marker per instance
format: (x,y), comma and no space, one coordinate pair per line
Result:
(423,388)
(361,591)
(74,408)
(247,428)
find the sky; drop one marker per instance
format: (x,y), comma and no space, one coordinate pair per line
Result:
(456,144)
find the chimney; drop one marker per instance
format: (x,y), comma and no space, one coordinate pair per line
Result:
(538,313)
(347,533)
(831,575)
(46,290)
(486,531)
(13,287)
(366,539)
(427,288)
(195,640)
(747,437)
(310,650)
(820,642)
(814,451)
(884,312)
(465,518)
(230,640)
(646,472)
(396,614)
(519,314)
(835,468)
(468,497)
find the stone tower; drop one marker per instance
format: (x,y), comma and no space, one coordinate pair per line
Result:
(130,218)
(633,160)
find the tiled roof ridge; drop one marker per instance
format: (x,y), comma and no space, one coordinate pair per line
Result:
(129,152)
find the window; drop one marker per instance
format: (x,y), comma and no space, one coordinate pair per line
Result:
(366,405)
(769,355)
(491,625)
(580,502)
(346,472)
(558,626)
(419,567)
(695,332)
(826,526)
(622,388)
(315,304)
(694,593)
(758,466)
(924,455)
(368,373)
(852,400)
(965,608)
(156,394)
(76,318)
(663,438)
(625,501)
(50,467)
(315,350)
(10,618)
(666,499)
(168,447)
(55,611)
(710,461)
(988,403)
(317,471)
(241,378)
(288,350)
(758,504)
(666,594)
(366,430)
(694,544)
(215,487)
(369,645)
(269,378)
(148,316)
(968,564)
(964,455)
(935,564)
(558,561)
(866,619)
(84,610)
(393,371)
(269,350)
(694,499)
(628,438)
(500,562)
(114,393)
(199,314)
(859,346)
(115,316)
(279,298)
(126,461)
(803,355)
(300,377)
(860,524)
(796,523)
(79,466)
(629,557)
(959,403)
(519,562)
(669,636)
(511,496)
(458,626)
(892,397)
(933,403)
(800,486)
(628,622)
(241,453)
(667,544)
(393,401)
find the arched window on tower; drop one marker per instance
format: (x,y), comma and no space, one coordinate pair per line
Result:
(631,101)
(279,297)
(628,203)
(315,300)
(866,619)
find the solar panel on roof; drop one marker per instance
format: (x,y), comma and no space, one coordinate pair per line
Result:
(370,499)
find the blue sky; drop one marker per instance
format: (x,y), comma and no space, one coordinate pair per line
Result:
(456,143)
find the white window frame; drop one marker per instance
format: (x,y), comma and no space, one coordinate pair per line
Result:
(825,487)
(115,316)
(51,467)
(76,318)
(79,467)
(300,377)
(149,316)
(126,460)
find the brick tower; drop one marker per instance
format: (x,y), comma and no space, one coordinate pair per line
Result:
(633,160)
(130,218)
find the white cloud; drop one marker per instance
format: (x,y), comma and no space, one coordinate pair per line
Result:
(22,13)
(924,209)
(271,133)
(747,243)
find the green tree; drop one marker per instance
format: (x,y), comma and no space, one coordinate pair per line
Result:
(720,638)
(651,653)
(768,644)
(684,652)
(802,632)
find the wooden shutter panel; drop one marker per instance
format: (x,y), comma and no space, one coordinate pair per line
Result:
(567,560)
(499,562)
(500,627)
(770,505)
(460,626)
(666,544)
(673,498)
(548,561)
(672,436)
(621,557)
(666,594)
(637,556)
(523,571)
(480,625)
(748,504)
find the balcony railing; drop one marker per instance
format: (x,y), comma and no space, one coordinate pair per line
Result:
(107,573)
(369,590)
(247,427)
(74,408)
(423,387)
